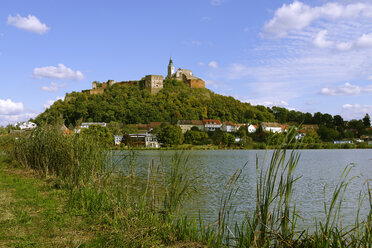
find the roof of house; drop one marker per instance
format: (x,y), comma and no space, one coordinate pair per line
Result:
(271,124)
(157,124)
(229,123)
(142,126)
(190,122)
(211,121)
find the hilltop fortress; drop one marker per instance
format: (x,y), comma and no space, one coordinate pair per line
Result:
(153,83)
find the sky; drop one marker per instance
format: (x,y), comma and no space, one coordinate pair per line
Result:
(309,56)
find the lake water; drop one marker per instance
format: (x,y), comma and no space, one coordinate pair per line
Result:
(317,168)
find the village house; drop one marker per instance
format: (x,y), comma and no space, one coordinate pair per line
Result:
(88,124)
(118,139)
(272,127)
(186,125)
(229,126)
(211,125)
(143,140)
(27,125)
(252,128)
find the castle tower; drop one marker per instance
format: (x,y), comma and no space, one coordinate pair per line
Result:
(170,68)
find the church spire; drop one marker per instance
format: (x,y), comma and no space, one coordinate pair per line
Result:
(170,68)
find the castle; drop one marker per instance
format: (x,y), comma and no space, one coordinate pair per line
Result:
(153,83)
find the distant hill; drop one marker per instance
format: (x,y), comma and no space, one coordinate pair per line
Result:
(129,104)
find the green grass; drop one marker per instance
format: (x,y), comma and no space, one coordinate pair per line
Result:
(77,187)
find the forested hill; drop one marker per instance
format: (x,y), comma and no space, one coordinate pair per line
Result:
(130,105)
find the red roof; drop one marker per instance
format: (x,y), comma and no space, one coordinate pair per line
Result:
(211,121)
(230,123)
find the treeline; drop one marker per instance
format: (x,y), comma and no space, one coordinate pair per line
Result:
(128,104)
(131,105)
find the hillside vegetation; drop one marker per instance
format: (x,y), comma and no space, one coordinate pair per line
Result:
(131,105)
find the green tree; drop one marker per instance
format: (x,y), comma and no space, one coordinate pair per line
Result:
(228,139)
(170,135)
(311,137)
(100,134)
(367,121)
(196,137)
(328,134)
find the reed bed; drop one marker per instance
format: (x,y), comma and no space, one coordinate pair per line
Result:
(134,212)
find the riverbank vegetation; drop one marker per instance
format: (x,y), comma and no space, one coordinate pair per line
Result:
(111,206)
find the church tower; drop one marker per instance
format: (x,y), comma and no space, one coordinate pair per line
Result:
(170,68)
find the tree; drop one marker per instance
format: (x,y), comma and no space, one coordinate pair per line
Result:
(367,121)
(328,134)
(100,134)
(311,137)
(170,135)
(228,139)
(196,137)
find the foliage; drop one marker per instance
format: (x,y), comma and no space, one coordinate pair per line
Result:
(367,121)
(100,134)
(328,134)
(131,105)
(170,135)
(228,139)
(196,137)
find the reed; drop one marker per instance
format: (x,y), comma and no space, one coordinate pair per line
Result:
(145,212)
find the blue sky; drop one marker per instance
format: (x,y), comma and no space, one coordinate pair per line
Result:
(305,55)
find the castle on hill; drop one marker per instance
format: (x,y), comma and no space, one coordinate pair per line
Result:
(153,83)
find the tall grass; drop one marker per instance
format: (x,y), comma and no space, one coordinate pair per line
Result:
(145,212)
(100,189)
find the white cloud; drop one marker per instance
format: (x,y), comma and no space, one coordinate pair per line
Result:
(216,2)
(30,23)
(355,111)
(60,72)
(8,107)
(196,42)
(346,90)
(213,64)
(54,87)
(50,102)
(11,112)
(298,15)
(201,64)
(320,40)
(8,119)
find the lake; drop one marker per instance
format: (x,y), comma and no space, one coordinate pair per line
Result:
(318,169)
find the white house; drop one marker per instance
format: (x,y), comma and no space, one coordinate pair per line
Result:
(144,139)
(211,125)
(272,127)
(118,139)
(229,127)
(252,128)
(25,125)
(88,124)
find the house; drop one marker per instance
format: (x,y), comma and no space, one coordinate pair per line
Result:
(211,125)
(28,125)
(144,140)
(229,126)
(342,142)
(186,125)
(118,139)
(252,128)
(88,124)
(155,124)
(272,127)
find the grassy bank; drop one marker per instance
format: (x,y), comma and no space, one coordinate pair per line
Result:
(90,194)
